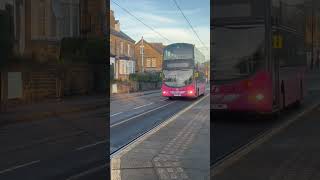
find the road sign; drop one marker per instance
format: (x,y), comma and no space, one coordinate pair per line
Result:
(277,41)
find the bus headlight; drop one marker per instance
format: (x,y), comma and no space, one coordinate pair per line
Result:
(259,97)
(190,92)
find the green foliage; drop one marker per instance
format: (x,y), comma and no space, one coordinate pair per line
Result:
(145,77)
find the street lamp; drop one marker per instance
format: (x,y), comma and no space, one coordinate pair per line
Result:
(312,34)
(142,53)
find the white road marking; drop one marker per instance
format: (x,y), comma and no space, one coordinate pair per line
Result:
(142,106)
(19,166)
(117,155)
(164,100)
(116,124)
(116,114)
(90,171)
(91,145)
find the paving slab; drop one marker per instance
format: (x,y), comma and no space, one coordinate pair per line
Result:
(177,149)
(292,154)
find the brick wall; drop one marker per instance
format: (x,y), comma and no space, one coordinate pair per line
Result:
(149,52)
(40,81)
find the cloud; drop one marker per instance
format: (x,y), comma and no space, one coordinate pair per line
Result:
(165,19)
(175,35)
(151,17)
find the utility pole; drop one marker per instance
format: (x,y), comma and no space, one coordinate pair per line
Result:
(142,53)
(312,34)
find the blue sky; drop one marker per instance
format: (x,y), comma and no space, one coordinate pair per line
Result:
(165,18)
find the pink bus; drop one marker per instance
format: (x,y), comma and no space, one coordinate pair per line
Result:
(258,55)
(183,71)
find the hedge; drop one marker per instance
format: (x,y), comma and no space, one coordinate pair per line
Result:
(145,77)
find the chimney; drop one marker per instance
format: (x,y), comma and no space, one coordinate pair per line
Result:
(117,26)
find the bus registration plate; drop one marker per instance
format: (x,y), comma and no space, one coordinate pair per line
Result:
(177,93)
(219,106)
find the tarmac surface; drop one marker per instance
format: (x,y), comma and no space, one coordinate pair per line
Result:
(170,150)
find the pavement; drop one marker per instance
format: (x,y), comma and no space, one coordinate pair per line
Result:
(52,107)
(291,154)
(170,149)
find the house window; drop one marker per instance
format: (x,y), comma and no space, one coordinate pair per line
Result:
(148,63)
(42,19)
(130,68)
(120,67)
(129,50)
(121,48)
(154,62)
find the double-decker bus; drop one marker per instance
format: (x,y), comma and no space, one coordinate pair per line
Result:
(258,55)
(183,73)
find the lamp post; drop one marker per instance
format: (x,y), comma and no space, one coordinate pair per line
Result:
(312,34)
(142,53)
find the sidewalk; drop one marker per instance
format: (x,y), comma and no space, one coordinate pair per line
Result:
(312,77)
(52,107)
(114,97)
(177,149)
(292,154)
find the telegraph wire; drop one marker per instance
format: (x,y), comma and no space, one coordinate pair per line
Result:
(185,17)
(127,11)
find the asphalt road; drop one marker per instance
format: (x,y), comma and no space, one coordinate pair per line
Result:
(69,146)
(130,118)
(231,132)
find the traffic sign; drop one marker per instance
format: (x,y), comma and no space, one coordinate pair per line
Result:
(277,41)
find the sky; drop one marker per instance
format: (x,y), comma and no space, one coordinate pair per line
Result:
(164,17)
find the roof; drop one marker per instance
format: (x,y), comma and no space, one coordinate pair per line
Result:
(157,46)
(121,35)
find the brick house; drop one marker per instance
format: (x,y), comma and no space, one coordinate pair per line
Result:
(93,18)
(38,27)
(152,56)
(121,50)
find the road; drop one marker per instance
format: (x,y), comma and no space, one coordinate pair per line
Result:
(70,146)
(229,133)
(131,118)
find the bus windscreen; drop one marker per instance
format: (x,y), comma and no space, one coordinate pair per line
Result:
(178,78)
(180,51)
(238,8)
(237,51)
